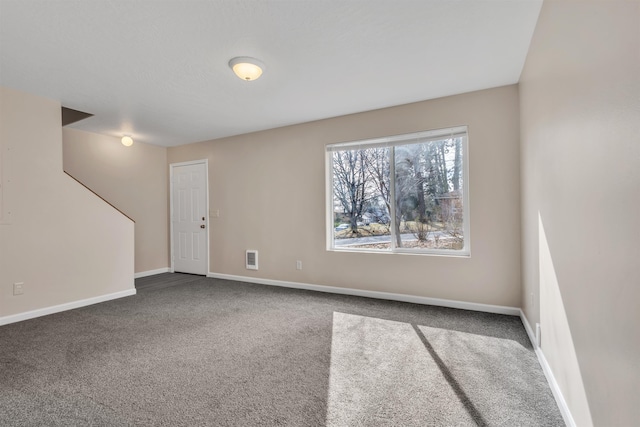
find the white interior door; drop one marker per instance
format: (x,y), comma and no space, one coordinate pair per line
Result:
(189,217)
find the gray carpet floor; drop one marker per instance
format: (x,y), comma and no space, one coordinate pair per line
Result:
(194,351)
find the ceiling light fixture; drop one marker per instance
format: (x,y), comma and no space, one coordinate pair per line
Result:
(127,141)
(247,68)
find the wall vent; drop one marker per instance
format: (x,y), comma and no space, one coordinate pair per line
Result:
(252,260)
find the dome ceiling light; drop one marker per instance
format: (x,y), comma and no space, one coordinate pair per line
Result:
(247,68)
(127,141)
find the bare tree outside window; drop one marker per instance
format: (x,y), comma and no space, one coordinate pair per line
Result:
(351,182)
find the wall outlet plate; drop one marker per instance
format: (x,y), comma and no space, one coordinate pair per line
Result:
(18,288)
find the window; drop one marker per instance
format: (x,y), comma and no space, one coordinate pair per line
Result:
(406,193)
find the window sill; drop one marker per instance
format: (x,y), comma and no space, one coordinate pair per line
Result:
(447,254)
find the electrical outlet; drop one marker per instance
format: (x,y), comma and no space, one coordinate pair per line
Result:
(298,265)
(18,288)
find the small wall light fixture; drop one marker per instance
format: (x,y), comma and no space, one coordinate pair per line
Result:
(127,141)
(247,68)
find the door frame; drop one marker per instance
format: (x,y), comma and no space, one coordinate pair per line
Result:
(206,192)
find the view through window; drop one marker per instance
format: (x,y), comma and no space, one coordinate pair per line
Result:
(406,193)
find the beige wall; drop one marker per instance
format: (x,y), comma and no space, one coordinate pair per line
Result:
(134,179)
(63,242)
(580,124)
(270,190)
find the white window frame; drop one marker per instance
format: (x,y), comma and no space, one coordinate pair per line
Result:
(391,141)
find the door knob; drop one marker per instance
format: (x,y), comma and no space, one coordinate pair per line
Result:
(202,226)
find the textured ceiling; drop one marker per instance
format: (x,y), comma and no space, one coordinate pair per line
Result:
(158,69)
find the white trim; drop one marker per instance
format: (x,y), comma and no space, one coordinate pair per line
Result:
(551,379)
(190,162)
(401,139)
(466,197)
(206,191)
(64,307)
(328,188)
(527,328)
(487,308)
(151,272)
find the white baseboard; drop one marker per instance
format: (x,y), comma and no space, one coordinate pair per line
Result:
(527,327)
(499,309)
(151,272)
(551,379)
(64,307)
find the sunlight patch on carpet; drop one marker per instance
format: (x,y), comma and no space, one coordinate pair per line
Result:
(384,373)
(381,374)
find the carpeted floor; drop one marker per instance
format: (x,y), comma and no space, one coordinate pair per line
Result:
(194,351)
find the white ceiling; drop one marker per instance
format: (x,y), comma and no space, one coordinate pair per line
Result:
(158,69)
